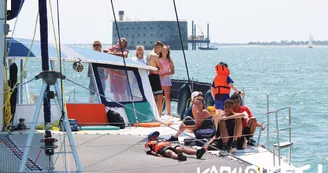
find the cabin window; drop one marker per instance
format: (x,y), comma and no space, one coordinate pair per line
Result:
(115,85)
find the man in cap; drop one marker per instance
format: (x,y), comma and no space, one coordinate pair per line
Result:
(116,50)
(162,148)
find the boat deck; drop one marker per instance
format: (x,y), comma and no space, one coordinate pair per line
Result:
(113,153)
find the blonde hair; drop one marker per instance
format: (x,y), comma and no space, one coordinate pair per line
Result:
(143,49)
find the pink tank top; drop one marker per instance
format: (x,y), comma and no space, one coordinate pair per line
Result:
(166,65)
(166,80)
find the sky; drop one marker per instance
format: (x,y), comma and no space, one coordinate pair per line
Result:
(231,21)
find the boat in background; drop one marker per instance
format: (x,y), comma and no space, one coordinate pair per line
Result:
(310,41)
(208,48)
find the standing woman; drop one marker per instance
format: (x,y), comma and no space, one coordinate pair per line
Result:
(96,47)
(165,74)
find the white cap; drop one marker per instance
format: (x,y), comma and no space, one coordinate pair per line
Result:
(195,94)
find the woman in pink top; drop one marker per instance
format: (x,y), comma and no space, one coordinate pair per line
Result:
(165,74)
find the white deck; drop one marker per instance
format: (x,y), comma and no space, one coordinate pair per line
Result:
(260,157)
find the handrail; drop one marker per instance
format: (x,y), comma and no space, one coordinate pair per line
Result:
(277,147)
(278,134)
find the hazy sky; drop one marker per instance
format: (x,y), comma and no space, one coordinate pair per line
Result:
(231,21)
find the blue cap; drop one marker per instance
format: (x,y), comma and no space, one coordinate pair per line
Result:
(153,133)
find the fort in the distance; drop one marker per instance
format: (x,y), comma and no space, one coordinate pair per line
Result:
(146,33)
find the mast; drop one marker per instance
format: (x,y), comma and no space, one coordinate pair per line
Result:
(44,53)
(2,51)
(208,35)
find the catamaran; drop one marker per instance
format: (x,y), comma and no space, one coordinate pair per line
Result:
(99,147)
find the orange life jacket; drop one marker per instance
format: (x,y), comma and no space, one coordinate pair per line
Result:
(157,145)
(220,81)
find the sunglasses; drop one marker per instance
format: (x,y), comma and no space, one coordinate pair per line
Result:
(96,45)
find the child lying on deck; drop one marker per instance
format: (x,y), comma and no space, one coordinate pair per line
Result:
(159,147)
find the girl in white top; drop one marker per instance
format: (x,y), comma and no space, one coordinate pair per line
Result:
(140,50)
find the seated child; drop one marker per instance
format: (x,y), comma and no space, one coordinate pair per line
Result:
(230,124)
(160,147)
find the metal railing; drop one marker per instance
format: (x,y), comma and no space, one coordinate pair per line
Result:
(278,146)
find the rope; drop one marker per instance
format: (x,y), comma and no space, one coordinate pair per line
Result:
(60,58)
(7,101)
(37,157)
(126,72)
(181,42)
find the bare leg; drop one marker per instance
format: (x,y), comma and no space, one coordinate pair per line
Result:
(186,150)
(179,132)
(238,129)
(159,99)
(224,131)
(167,93)
(159,103)
(252,126)
(217,116)
(171,154)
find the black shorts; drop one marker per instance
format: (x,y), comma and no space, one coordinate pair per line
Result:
(155,83)
(162,150)
(247,132)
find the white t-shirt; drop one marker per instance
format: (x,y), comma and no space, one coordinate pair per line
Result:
(143,60)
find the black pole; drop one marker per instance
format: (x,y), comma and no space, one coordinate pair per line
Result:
(181,42)
(44,53)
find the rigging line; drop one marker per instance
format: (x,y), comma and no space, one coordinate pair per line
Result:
(181,42)
(16,86)
(125,69)
(61,81)
(60,63)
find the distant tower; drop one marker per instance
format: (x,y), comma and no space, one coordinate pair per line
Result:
(121,14)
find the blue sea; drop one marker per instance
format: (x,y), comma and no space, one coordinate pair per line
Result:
(292,76)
